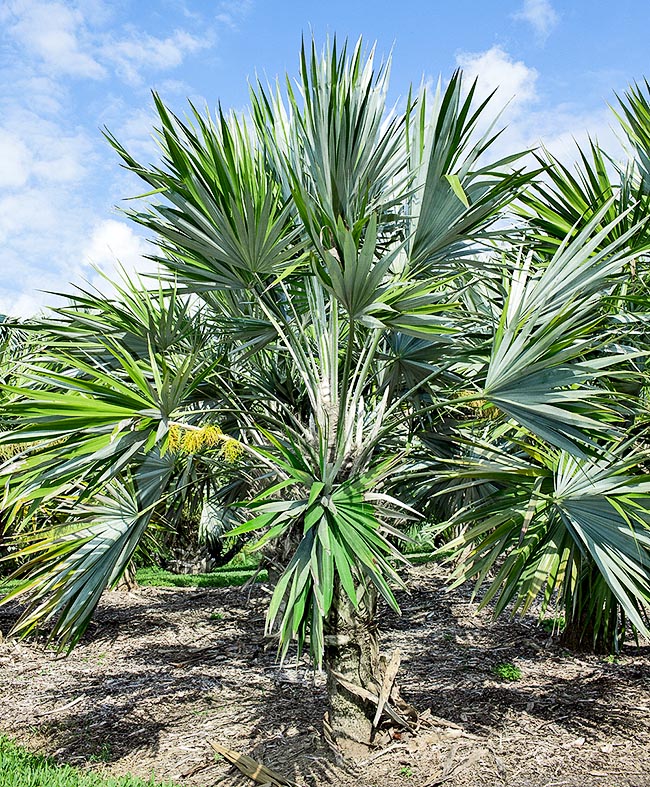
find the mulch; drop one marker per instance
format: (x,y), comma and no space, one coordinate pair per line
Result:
(161,672)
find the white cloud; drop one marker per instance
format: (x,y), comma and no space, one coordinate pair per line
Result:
(135,130)
(25,305)
(559,129)
(40,232)
(36,151)
(514,81)
(62,161)
(115,247)
(115,243)
(47,94)
(233,12)
(58,180)
(15,160)
(541,15)
(55,33)
(131,55)
(529,120)
(46,211)
(176,87)
(27,211)
(46,251)
(71,39)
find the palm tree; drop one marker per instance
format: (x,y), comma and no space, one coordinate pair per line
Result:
(546,550)
(341,261)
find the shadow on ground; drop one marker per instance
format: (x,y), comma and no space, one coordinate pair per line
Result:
(162,671)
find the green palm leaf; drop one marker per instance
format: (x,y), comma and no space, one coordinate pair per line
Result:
(68,573)
(539,370)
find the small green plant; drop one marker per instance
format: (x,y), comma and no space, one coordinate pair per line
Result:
(507,671)
(104,754)
(613,658)
(552,625)
(7,585)
(216,616)
(406,771)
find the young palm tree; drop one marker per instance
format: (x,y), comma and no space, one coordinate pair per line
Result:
(338,257)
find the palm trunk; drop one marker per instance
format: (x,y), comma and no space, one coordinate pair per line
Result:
(128,581)
(580,633)
(579,636)
(352,657)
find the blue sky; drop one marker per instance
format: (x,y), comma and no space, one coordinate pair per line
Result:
(69,68)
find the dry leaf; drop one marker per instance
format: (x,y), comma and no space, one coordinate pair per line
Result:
(252,768)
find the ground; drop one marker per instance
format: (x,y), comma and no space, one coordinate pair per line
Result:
(162,671)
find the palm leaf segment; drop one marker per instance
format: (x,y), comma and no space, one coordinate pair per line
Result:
(227,226)
(580,525)
(634,116)
(100,403)
(567,201)
(68,572)
(341,539)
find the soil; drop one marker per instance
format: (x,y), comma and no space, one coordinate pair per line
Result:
(163,671)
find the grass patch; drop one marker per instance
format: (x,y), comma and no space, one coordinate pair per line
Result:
(429,556)
(20,768)
(234,574)
(222,577)
(158,577)
(6,585)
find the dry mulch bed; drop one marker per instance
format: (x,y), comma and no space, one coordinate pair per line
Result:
(161,671)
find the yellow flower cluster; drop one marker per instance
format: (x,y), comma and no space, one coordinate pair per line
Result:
(192,440)
(232,450)
(482,408)
(174,438)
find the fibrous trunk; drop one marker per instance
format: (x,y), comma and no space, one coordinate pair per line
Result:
(592,619)
(352,659)
(128,581)
(578,635)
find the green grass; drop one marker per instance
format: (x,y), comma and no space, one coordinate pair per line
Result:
(237,572)
(222,577)
(6,585)
(234,574)
(428,556)
(20,768)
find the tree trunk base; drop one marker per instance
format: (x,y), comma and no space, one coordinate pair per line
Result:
(362,694)
(579,638)
(127,582)
(351,662)
(344,746)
